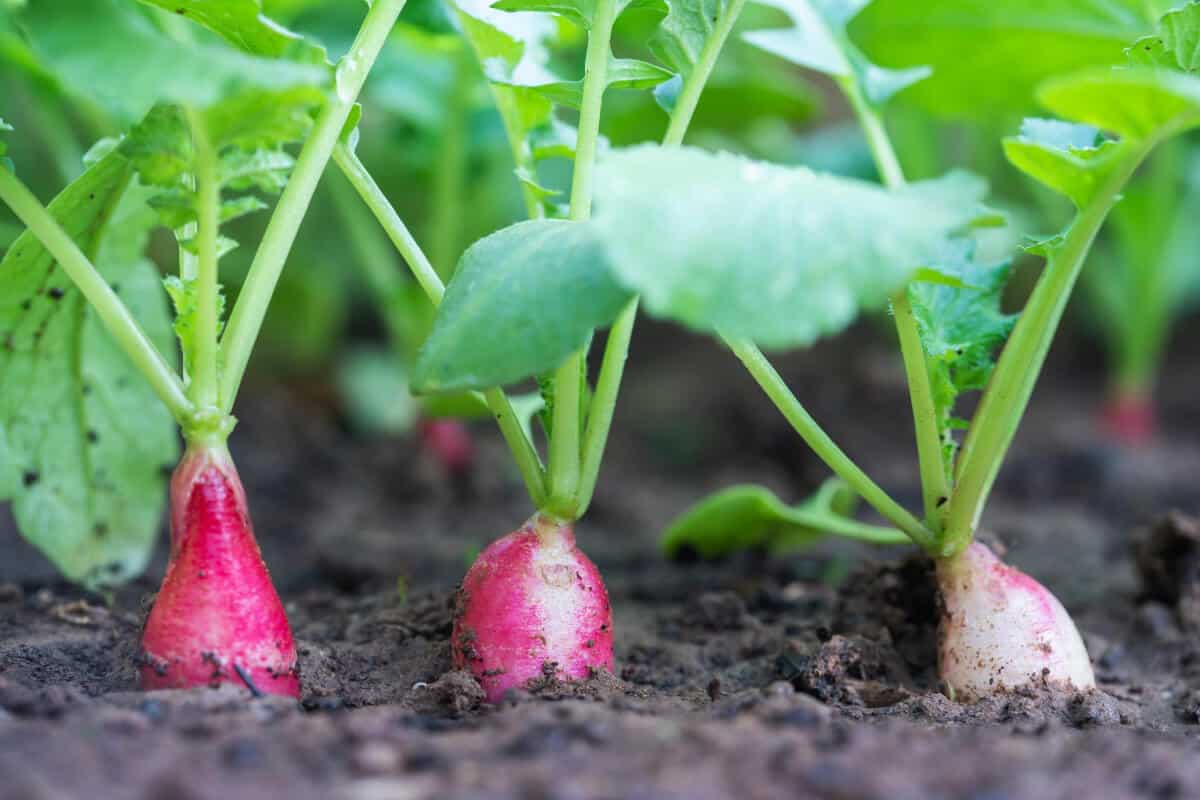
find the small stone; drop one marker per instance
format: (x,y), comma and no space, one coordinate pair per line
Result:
(375,758)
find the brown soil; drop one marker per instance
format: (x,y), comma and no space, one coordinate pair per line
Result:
(809,675)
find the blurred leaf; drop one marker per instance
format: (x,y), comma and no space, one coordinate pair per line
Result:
(987,57)
(818,40)
(85,445)
(1137,102)
(375,392)
(242,23)
(778,255)
(521,300)
(108,52)
(751,517)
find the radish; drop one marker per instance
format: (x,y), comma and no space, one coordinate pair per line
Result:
(1001,630)
(449,442)
(1129,418)
(532,605)
(217,618)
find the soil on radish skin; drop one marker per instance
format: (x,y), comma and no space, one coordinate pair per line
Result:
(808,675)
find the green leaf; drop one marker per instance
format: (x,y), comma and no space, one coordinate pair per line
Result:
(1178,44)
(242,23)
(961,328)
(512,48)
(4,128)
(580,12)
(988,56)
(818,40)
(107,52)
(1134,102)
(521,300)
(85,446)
(778,255)
(623,73)
(684,32)
(1069,158)
(753,518)
(183,298)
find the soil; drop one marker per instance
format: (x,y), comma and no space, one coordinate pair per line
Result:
(802,675)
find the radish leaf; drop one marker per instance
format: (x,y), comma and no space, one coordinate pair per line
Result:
(85,446)
(242,23)
(818,40)
(110,53)
(752,517)
(777,255)
(961,328)
(988,57)
(521,300)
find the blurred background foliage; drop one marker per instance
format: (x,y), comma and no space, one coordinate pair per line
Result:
(432,138)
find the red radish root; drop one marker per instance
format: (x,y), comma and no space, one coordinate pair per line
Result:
(531,605)
(449,441)
(217,618)
(1002,630)
(1128,418)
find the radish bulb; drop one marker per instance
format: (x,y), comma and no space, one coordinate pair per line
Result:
(217,618)
(1128,417)
(1001,630)
(532,605)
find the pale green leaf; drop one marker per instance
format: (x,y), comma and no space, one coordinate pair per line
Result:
(521,300)
(1069,158)
(243,23)
(778,255)
(753,518)
(1134,102)
(107,52)
(818,40)
(85,445)
(988,56)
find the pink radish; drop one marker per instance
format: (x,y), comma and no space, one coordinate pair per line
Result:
(449,441)
(532,604)
(1128,417)
(217,618)
(1002,630)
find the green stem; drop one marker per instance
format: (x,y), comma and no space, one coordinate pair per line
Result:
(393,226)
(1007,395)
(693,85)
(375,257)
(203,385)
(849,528)
(825,448)
(251,307)
(616,349)
(604,402)
(450,175)
(565,455)
(935,483)
(528,462)
(112,312)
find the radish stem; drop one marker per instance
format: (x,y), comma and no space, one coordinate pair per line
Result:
(251,308)
(202,386)
(528,461)
(1007,395)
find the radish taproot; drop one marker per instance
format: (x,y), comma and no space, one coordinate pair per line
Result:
(532,605)
(1000,630)
(217,618)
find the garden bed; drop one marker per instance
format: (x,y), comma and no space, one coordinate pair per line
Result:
(801,675)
